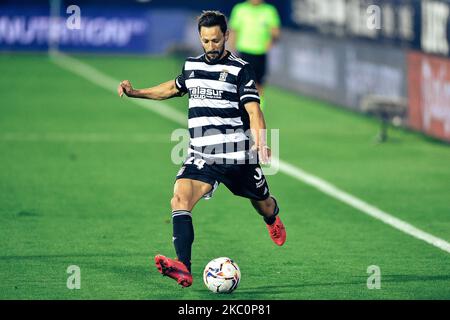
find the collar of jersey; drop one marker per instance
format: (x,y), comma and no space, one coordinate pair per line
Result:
(217,62)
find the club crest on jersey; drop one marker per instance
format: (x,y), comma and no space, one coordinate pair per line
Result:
(223,75)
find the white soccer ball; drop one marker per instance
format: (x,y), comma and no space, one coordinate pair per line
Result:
(222,275)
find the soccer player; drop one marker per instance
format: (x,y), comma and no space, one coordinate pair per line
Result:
(223,104)
(254,26)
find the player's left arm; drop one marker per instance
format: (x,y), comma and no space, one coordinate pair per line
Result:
(258,128)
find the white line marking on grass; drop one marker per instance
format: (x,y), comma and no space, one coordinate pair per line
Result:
(100,79)
(166,111)
(362,206)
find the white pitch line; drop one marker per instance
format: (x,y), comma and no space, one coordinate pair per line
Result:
(100,79)
(362,206)
(97,77)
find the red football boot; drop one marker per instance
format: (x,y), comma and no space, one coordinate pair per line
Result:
(277,232)
(174,269)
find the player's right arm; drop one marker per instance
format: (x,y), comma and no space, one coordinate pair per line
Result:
(162,91)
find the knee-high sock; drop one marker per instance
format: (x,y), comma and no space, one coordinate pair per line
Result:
(183,235)
(270,220)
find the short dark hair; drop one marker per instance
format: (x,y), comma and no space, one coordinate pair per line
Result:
(211,19)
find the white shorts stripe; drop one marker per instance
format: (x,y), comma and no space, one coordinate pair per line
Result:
(216,121)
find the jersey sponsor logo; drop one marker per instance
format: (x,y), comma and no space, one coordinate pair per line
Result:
(192,74)
(205,93)
(223,75)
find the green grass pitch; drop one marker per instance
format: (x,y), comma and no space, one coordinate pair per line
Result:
(86,179)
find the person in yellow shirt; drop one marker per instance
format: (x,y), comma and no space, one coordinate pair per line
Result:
(254,27)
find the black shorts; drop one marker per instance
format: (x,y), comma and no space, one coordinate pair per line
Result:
(258,63)
(245,180)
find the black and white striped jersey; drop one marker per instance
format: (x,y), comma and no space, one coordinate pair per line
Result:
(218,121)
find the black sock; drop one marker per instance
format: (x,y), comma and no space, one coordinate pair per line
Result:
(183,235)
(270,220)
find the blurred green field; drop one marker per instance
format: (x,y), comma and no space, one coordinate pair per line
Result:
(86,179)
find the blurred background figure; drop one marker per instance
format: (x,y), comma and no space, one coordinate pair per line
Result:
(254,27)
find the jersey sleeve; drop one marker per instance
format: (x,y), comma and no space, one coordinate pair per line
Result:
(180,82)
(246,85)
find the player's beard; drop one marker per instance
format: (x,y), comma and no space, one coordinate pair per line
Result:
(217,56)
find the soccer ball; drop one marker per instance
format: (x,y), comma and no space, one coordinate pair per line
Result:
(222,275)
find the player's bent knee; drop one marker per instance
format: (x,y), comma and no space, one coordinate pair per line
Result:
(179,202)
